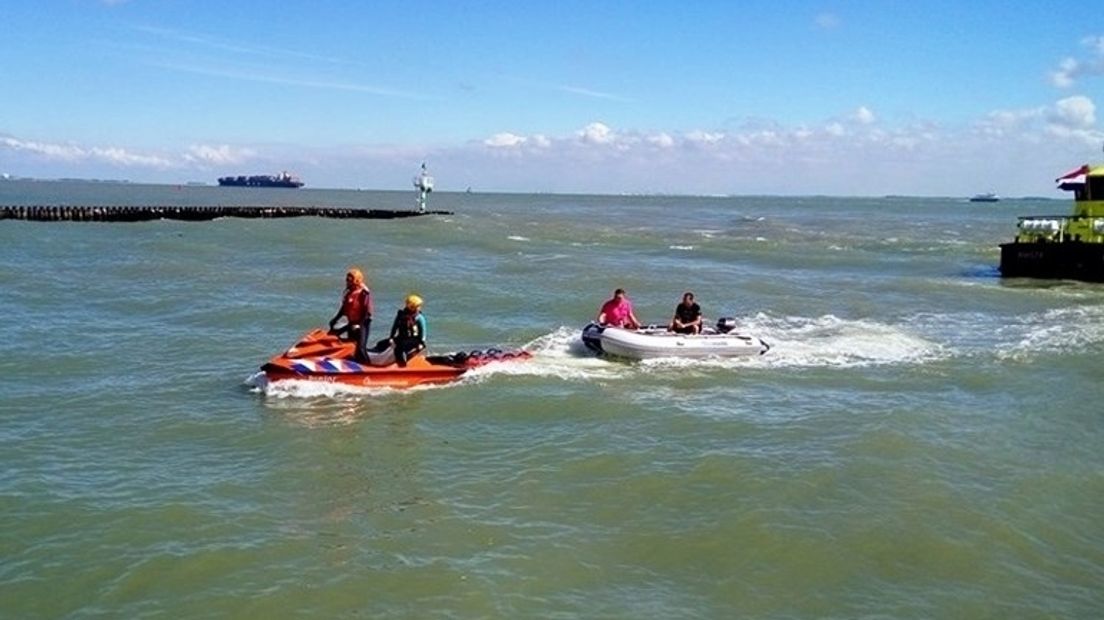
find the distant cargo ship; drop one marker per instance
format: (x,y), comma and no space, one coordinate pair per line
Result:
(262,180)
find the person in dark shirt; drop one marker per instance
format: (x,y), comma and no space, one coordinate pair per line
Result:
(688,318)
(408,332)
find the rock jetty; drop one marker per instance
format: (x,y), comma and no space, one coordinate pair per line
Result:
(81,213)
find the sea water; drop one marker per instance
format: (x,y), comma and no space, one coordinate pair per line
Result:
(923,439)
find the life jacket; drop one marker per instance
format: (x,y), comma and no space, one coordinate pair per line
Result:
(357,305)
(406,324)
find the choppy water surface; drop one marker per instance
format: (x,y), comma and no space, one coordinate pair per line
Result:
(922,441)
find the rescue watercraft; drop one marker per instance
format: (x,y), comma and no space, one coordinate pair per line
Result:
(654,341)
(321,356)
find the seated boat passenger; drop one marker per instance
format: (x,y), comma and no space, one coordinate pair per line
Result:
(408,332)
(688,316)
(618,312)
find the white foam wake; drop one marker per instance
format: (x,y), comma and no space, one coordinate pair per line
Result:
(559,354)
(826,341)
(294,388)
(832,341)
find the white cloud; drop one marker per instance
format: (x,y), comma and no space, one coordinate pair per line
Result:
(73,153)
(113,155)
(67,152)
(505,140)
(1063,76)
(1071,69)
(1000,123)
(704,137)
(854,153)
(122,157)
(217,155)
(662,140)
(1076,112)
(1071,120)
(840,155)
(863,116)
(1014,118)
(596,133)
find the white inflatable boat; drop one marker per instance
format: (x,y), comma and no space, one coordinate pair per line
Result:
(655,341)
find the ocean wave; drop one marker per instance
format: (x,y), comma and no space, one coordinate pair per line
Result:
(1053,331)
(544,258)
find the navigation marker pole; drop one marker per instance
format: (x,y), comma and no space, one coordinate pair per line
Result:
(424,184)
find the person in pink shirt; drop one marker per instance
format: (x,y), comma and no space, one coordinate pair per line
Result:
(618,312)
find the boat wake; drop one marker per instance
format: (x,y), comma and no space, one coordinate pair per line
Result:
(293,388)
(830,341)
(826,341)
(559,355)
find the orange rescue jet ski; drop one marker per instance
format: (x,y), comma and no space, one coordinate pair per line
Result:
(321,356)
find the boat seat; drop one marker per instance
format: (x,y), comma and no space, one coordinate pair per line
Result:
(383,354)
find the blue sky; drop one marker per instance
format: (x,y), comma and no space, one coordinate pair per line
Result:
(753,97)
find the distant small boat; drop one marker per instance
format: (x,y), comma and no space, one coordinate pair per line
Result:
(262,180)
(986,197)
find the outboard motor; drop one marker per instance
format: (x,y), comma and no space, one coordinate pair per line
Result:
(592,337)
(726,324)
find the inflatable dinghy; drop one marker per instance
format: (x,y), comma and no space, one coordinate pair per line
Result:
(655,341)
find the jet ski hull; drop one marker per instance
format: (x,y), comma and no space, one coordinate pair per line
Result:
(320,356)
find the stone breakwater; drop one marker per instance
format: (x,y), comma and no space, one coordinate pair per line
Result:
(52,213)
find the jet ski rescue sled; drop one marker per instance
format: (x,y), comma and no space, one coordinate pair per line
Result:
(655,341)
(321,356)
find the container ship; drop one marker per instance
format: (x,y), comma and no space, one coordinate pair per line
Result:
(263,180)
(1062,246)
